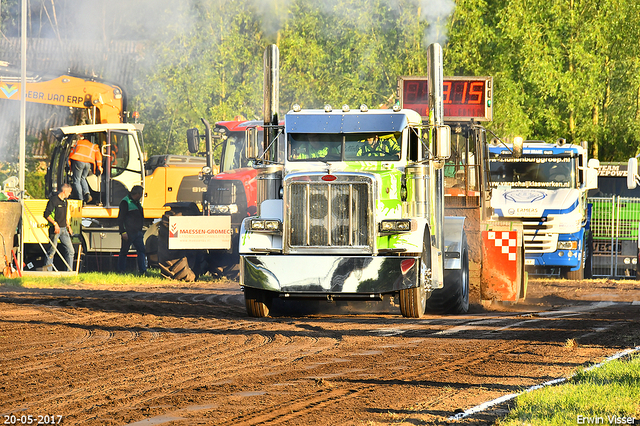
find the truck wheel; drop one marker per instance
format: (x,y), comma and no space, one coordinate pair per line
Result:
(257,302)
(177,269)
(413,301)
(151,244)
(579,275)
(453,298)
(575,275)
(588,264)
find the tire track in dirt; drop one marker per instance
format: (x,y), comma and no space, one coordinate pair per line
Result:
(229,356)
(316,401)
(199,356)
(294,408)
(291,409)
(236,365)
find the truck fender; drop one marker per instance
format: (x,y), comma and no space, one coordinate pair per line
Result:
(250,242)
(411,241)
(453,241)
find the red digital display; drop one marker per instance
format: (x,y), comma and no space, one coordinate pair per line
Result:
(464,98)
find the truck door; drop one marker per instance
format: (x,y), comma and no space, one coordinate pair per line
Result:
(124,165)
(58,170)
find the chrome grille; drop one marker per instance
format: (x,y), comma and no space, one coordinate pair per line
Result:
(538,236)
(329,214)
(222,192)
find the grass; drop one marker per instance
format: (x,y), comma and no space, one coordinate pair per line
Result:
(598,396)
(93,279)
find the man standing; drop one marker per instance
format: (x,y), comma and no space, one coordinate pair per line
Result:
(130,222)
(83,157)
(59,227)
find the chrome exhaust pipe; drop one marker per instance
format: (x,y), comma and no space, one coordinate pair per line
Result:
(436,114)
(271,97)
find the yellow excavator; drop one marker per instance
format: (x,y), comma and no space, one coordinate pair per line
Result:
(166,178)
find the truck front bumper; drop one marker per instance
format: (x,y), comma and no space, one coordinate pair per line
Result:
(559,258)
(323,276)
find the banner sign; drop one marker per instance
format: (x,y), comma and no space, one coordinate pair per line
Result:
(200,232)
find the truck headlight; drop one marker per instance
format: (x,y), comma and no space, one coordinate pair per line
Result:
(397,225)
(223,209)
(265,225)
(567,245)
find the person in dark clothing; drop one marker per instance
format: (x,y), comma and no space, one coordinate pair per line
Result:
(130,222)
(59,227)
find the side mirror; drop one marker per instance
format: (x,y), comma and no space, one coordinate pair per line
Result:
(592,178)
(251,142)
(593,163)
(443,141)
(632,173)
(518,146)
(193,140)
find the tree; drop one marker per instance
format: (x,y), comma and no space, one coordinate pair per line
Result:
(211,70)
(561,67)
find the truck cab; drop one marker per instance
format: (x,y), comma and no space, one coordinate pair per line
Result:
(546,187)
(347,210)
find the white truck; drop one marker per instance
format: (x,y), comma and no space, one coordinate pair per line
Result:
(351,206)
(546,188)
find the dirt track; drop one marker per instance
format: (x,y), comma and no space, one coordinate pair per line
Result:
(188,355)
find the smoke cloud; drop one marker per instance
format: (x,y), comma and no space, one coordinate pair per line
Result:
(436,14)
(106,23)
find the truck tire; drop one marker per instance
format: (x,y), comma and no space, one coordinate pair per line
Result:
(257,302)
(151,245)
(581,273)
(575,275)
(453,298)
(173,264)
(413,301)
(177,269)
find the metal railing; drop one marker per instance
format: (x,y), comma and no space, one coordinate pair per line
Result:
(614,226)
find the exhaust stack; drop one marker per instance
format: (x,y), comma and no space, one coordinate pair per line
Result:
(436,118)
(271,98)
(269,178)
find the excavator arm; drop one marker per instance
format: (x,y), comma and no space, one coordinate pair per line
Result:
(107,100)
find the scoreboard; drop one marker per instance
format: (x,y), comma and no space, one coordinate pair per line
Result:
(464,98)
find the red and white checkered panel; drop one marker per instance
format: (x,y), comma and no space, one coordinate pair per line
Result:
(506,240)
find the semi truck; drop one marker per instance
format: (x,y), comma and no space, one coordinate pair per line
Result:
(546,188)
(350,206)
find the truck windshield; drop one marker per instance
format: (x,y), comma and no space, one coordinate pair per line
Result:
(233,154)
(344,147)
(533,172)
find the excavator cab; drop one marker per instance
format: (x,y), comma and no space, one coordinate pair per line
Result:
(122,161)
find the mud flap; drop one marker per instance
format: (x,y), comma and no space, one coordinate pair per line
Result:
(503,277)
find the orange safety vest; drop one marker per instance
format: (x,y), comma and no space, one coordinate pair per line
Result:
(87,152)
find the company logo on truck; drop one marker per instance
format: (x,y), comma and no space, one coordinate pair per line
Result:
(529,196)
